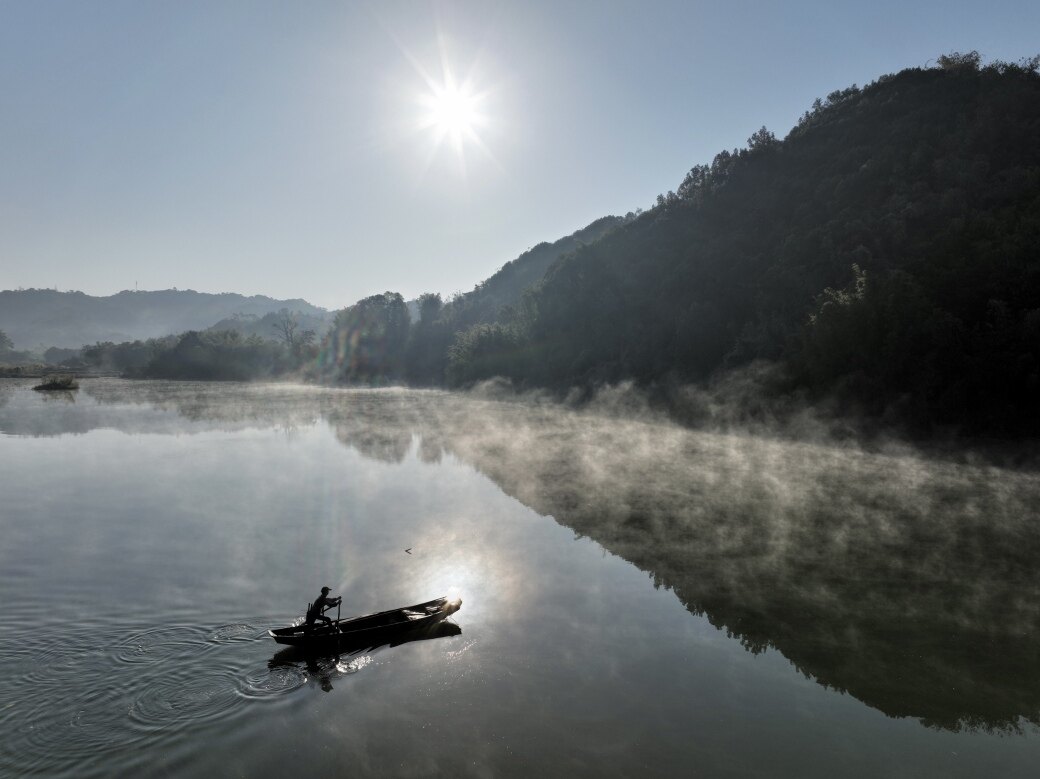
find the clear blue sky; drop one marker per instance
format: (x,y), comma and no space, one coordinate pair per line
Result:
(278,148)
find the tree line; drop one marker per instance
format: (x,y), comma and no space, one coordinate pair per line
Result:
(208,355)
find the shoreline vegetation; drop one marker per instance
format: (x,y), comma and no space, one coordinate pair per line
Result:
(881,261)
(58,383)
(38,371)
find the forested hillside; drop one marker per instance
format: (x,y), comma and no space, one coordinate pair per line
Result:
(489,301)
(887,251)
(375,340)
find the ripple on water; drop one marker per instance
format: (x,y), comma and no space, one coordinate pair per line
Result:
(84,724)
(238,632)
(59,664)
(162,644)
(278,680)
(70,695)
(186,695)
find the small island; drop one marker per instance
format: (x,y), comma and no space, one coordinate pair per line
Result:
(63,382)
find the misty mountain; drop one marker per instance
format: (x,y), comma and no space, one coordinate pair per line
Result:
(887,251)
(43,317)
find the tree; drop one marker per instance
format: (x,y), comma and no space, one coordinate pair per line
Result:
(762,139)
(427,351)
(957,61)
(486,350)
(286,325)
(367,340)
(6,344)
(430,304)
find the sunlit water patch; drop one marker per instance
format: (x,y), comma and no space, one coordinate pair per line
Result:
(354,665)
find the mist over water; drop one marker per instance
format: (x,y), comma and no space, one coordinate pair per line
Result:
(155,530)
(907,581)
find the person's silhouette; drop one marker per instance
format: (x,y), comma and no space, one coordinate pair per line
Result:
(317,609)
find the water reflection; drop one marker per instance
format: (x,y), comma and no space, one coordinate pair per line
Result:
(907,582)
(58,396)
(323,668)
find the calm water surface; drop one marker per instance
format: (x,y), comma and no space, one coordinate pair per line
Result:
(638,600)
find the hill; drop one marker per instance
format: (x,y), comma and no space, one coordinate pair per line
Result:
(42,317)
(490,299)
(887,251)
(383,338)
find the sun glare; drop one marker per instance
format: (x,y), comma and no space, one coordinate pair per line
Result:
(453,110)
(453,113)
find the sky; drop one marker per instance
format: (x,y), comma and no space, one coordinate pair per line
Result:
(334,150)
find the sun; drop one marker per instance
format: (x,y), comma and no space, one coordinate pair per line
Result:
(453,113)
(453,110)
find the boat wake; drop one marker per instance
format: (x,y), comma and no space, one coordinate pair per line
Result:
(354,665)
(70,697)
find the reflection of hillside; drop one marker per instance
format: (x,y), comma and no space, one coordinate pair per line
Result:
(908,583)
(158,407)
(223,406)
(58,396)
(905,582)
(7,388)
(378,425)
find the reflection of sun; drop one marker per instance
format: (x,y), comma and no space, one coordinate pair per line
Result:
(454,581)
(477,580)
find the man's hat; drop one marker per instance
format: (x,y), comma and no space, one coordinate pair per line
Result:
(324,589)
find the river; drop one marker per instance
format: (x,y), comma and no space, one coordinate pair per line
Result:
(639,599)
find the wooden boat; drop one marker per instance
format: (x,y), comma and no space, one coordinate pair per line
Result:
(372,628)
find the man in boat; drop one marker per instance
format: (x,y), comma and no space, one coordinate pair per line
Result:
(317,609)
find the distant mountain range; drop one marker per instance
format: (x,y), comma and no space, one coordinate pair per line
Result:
(42,317)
